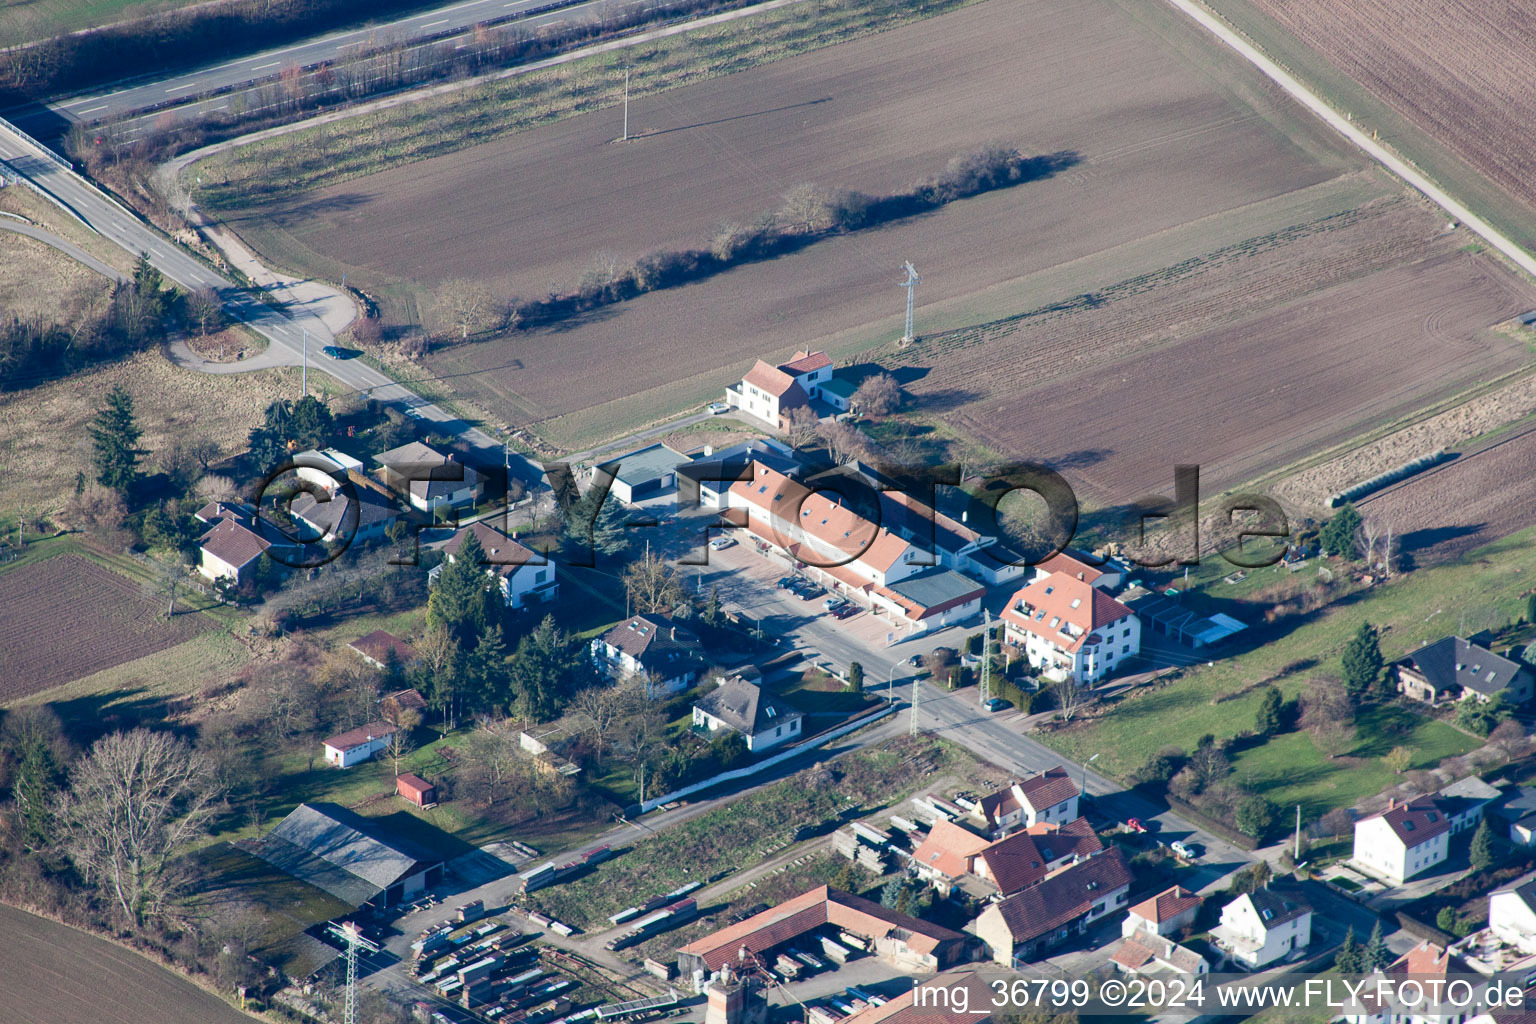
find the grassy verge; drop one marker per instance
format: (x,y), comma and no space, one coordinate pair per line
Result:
(1487,587)
(288,165)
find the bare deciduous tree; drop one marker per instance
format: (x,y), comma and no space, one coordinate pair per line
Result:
(653,585)
(601,708)
(1509,739)
(879,395)
(801,425)
(216,487)
(399,747)
(206,310)
(844,443)
(1069,698)
(464,306)
(134,802)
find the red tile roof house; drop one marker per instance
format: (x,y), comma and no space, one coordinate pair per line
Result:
(1432,968)
(1014,862)
(1404,840)
(768,393)
(357,745)
(1050,797)
(670,654)
(856,558)
(1034,919)
(907,943)
(1145,953)
(523,576)
(1070,629)
(1167,913)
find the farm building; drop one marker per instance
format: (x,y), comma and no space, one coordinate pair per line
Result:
(906,942)
(429,479)
(416,789)
(522,575)
(1162,613)
(408,699)
(670,655)
(376,647)
(353,858)
(742,706)
(357,745)
(768,393)
(647,473)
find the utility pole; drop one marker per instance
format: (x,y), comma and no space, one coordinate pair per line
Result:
(1296,853)
(986,655)
(305,374)
(910,284)
(349,934)
(915,697)
(626,105)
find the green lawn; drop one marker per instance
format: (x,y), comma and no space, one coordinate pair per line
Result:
(815,691)
(1487,585)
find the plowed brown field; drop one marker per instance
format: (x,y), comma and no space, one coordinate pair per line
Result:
(1241,361)
(66,617)
(1165,140)
(1458,69)
(55,975)
(1487,492)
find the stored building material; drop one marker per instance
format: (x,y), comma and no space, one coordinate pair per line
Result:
(871,834)
(472,911)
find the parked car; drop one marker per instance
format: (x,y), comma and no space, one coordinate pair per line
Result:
(721,543)
(718,408)
(847,610)
(833,602)
(1135,825)
(787,583)
(997,704)
(810,592)
(1187,851)
(915,661)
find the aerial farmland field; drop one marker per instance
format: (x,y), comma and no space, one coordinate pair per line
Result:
(68,617)
(56,975)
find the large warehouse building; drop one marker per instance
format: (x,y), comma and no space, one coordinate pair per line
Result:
(903,941)
(353,858)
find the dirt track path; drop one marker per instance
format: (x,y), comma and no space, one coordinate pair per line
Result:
(1342,124)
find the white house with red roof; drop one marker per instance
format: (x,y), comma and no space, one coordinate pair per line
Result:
(1167,913)
(1049,798)
(235,540)
(769,392)
(357,745)
(523,576)
(1071,629)
(1404,840)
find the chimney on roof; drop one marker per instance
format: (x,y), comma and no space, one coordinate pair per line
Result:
(1079,575)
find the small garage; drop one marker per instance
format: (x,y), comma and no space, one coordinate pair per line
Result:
(647,473)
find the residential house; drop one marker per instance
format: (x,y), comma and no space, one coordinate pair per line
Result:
(523,577)
(1512,916)
(1432,968)
(230,548)
(1033,919)
(953,543)
(1167,913)
(1147,954)
(358,745)
(1465,801)
(1402,841)
(742,706)
(1264,926)
(708,477)
(1070,629)
(429,479)
(327,468)
(376,648)
(947,852)
(669,655)
(1453,668)
(360,517)
(768,393)
(1026,858)
(646,473)
(1105,573)
(1050,797)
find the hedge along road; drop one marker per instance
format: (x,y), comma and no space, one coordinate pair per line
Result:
(1524,260)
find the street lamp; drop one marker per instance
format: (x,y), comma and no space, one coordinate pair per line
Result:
(1086,763)
(890,683)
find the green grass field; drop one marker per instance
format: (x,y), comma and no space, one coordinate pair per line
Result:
(23,21)
(1488,586)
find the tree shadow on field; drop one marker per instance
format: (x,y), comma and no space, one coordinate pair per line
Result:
(87,719)
(1440,543)
(946,400)
(1080,459)
(288,215)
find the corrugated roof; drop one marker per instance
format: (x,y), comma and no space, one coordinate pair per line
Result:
(348,842)
(645,465)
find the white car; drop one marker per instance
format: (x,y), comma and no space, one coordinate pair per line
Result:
(718,408)
(1188,851)
(721,543)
